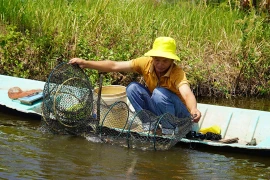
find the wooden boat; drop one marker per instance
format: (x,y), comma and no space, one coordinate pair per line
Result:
(248,130)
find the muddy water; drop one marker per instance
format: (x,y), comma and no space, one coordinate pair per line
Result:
(262,104)
(26,153)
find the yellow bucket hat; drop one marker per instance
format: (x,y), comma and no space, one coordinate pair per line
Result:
(164,47)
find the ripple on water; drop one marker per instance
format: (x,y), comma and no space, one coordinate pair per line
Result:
(26,153)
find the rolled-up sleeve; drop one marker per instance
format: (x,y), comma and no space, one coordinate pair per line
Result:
(180,79)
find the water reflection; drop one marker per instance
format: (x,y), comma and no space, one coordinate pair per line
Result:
(239,102)
(26,153)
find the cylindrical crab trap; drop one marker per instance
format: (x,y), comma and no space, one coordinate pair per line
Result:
(70,106)
(141,130)
(67,101)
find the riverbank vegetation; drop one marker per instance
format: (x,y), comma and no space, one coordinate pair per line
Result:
(224,48)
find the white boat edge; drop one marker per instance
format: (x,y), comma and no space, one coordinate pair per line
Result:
(244,124)
(7,82)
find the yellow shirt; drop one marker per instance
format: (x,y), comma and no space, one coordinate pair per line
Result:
(172,80)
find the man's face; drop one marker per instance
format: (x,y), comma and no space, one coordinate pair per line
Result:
(162,64)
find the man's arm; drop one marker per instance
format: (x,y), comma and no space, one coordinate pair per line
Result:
(190,100)
(104,66)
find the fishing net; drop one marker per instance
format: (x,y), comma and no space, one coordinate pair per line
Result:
(68,101)
(70,106)
(141,130)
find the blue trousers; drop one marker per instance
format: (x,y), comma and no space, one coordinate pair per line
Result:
(159,102)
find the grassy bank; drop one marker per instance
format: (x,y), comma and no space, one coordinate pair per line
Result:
(225,51)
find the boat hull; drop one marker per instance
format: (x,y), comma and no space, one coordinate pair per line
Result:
(244,124)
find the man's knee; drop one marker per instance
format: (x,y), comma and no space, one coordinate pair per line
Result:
(160,94)
(131,87)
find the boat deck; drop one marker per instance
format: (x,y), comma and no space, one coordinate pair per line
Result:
(7,82)
(244,124)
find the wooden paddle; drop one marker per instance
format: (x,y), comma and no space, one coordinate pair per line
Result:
(16,92)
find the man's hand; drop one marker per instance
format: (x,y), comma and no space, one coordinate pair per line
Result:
(196,114)
(82,63)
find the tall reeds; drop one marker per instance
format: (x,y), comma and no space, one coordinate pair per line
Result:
(209,38)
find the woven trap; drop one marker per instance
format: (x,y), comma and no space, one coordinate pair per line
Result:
(70,106)
(68,101)
(142,130)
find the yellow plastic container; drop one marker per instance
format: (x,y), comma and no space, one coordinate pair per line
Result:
(117,117)
(112,93)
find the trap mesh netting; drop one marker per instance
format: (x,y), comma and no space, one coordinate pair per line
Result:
(70,106)
(67,100)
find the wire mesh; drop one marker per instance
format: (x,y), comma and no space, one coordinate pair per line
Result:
(70,106)
(144,130)
(68,101)
(141,130)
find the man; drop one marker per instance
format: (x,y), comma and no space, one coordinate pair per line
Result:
(167,89)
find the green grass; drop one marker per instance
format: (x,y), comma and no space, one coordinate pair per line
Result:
(223,49)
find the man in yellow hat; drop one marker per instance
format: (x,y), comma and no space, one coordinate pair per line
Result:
(167,89)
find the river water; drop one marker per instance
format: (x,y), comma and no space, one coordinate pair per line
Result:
(27,153)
